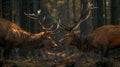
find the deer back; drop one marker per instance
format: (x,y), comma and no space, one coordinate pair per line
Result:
(107,35)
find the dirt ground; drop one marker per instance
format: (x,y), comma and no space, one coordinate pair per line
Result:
(62,57)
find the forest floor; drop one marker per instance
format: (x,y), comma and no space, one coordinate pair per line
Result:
(63,57)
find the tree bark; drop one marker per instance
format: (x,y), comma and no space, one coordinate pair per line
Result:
(7,9)
(114,12)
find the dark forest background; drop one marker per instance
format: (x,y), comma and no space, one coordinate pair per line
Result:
(106,12)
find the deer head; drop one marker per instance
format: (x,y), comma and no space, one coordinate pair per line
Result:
(72,32)
(47,31)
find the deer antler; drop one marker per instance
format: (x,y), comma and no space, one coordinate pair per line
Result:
(84,16)
(71,29)
(48,31)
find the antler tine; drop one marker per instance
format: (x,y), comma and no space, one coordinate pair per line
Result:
(88,11)
(64,27)
(32,16)
(43,20)
(43,27)
(50,27)
(57,29)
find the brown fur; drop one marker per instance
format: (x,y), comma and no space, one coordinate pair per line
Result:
(105,38)
(12,36)
(72,38)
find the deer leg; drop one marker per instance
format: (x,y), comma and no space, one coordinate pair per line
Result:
(1,51)
(7,51)
(104,51)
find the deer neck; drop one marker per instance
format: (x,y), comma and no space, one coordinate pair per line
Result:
(36,36)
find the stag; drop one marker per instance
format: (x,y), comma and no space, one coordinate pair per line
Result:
(103,39)
(73,37)
(12,36)
(48,31)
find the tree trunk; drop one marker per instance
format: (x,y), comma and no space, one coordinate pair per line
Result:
(6,9)
(15,11)
(23,19)
(100,13)
(36,6)
(114,12)
(0,8)
(85,26)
